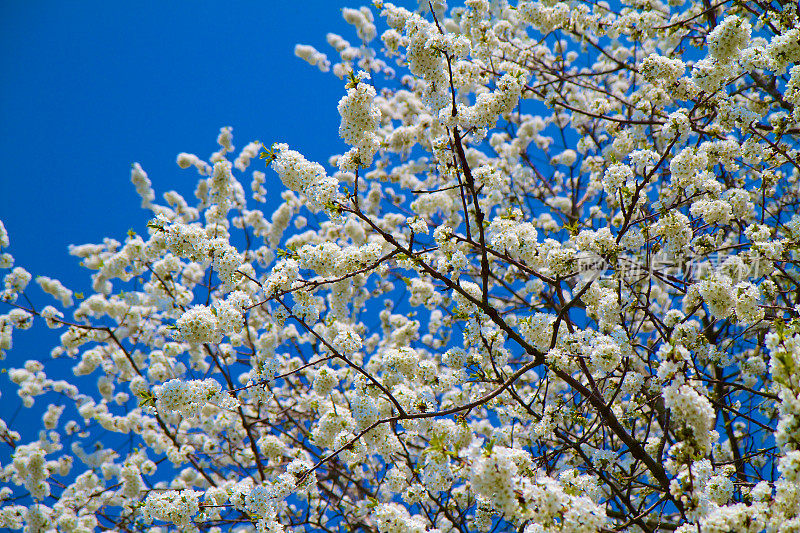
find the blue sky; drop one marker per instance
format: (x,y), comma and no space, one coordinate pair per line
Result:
(90,87)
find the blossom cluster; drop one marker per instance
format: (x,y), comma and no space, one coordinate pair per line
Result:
(189,397)
(360,117)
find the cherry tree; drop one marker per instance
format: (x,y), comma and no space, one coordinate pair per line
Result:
(549,285)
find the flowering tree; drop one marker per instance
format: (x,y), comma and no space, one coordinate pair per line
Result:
(551,286)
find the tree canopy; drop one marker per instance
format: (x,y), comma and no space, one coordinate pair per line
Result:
(550,285)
